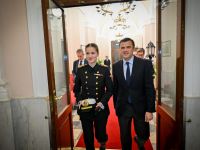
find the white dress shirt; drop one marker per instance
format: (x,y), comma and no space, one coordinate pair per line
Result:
(130,66)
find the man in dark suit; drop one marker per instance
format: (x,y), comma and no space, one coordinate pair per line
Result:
(140,52)
(134,95)
(78,63)
(107,62)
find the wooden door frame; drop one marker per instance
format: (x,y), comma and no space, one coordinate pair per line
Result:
(178,120)
(51,77)
(68,79)
(79,3)
(50,71)
(49,55)
(180,71)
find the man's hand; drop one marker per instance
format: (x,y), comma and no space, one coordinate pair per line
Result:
(148,116)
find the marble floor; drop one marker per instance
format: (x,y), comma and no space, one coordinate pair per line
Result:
(153,132)
(78,131)
(76,127)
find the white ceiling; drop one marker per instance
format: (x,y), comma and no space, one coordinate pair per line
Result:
(144,13)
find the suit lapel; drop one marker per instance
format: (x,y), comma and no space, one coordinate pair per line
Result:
(134,68)
(77,65)
(121,71)
(85,62)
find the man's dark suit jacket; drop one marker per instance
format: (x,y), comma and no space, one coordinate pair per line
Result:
(107,62)
(75,66)
(140,89)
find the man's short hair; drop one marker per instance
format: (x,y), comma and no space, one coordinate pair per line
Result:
(126,40)
(141,50)
(79,51)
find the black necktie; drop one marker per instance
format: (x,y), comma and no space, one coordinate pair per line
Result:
(81,63)
(128,74)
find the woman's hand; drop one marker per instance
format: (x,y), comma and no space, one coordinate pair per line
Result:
(99,106)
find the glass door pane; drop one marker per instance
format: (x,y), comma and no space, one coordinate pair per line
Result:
(55,24)
(168,54)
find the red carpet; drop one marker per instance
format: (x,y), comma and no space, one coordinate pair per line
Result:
(71,86)
(113,133)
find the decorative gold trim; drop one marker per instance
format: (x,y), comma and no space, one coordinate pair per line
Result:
(88,107)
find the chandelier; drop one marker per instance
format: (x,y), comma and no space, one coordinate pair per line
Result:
(125,7)
(164,3)
(118,35)
(119,22)
(119,14)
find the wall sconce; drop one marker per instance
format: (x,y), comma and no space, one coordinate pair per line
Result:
(150,50)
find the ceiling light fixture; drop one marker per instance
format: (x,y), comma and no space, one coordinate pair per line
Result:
(106,9)
(164,3)
(119,35)
(119,22)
